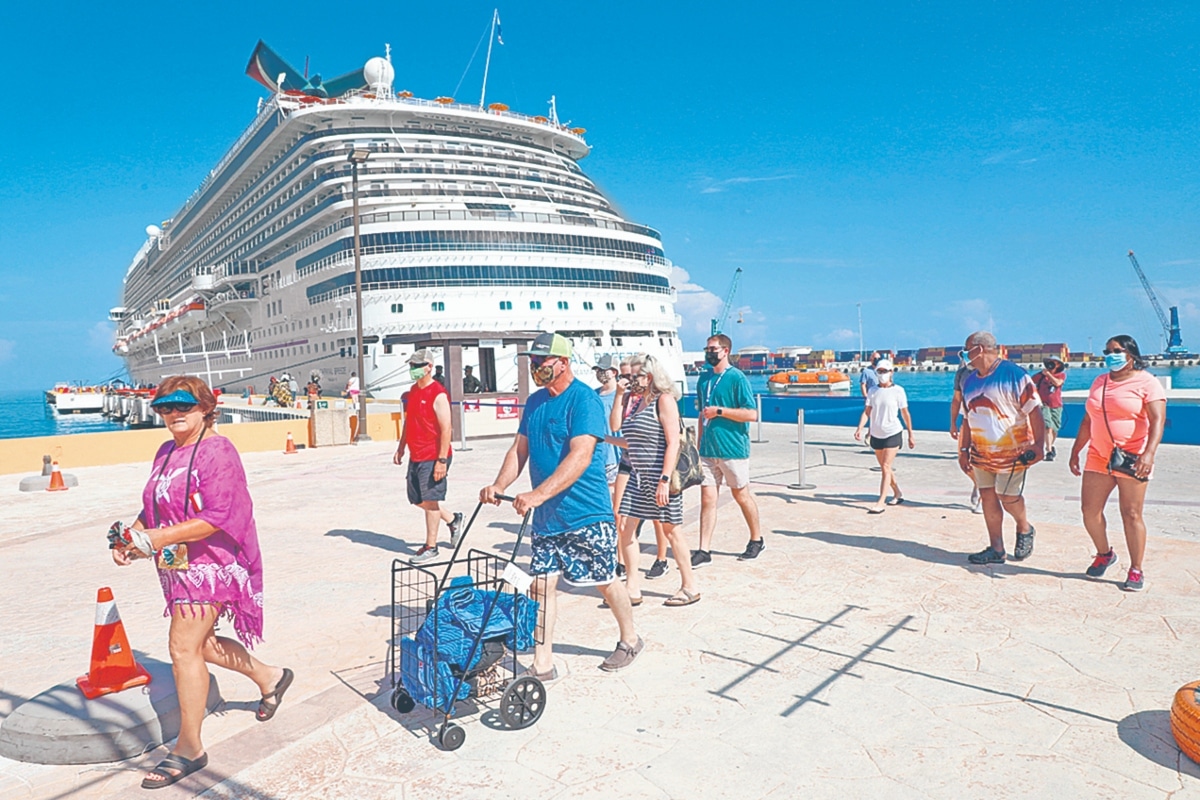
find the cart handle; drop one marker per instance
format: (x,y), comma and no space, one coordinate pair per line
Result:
(505,498)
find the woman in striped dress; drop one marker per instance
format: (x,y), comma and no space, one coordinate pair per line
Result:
(651,434)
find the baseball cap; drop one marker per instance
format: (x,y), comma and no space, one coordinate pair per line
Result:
(421,357)
(180,397)
(550,344)
(607,361)
(884,363)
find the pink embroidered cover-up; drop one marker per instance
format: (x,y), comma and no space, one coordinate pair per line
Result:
(225,568)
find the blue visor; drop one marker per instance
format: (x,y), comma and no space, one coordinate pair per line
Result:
(180,397)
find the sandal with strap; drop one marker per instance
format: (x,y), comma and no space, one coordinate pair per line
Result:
(687,599)
(267,710)
(183,767)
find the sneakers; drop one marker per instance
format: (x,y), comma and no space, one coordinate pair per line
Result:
(1134,581)
(658,569)
(988,556)
(701,558)
(424,555)
(1051,454)
(456,529)
(753,548)
(1101,563)
(1024,548)
(622,657)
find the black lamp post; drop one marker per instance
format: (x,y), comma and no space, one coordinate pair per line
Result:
(358,155)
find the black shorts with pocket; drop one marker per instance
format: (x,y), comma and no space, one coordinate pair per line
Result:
(422,487)
(895,440)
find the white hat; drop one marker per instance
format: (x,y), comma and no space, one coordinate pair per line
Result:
(884,363)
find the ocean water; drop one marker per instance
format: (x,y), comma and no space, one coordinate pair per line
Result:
(26,414)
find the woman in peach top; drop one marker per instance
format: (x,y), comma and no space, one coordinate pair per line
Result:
(1126,409)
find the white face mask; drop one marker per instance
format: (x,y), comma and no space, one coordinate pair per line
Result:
(885,378)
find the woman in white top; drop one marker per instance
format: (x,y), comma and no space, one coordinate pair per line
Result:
(886,404)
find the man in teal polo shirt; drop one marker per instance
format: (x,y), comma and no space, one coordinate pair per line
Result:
(727,408)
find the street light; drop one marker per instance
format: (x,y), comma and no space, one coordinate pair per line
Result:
(358,155)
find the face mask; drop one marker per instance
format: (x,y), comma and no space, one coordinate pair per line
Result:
(885,378)
(712,358)
(1116,361)
(543,375)
(964,356)
(416,373)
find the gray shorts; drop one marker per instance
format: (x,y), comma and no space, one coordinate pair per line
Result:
(422,488)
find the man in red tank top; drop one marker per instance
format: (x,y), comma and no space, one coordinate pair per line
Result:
(426,433)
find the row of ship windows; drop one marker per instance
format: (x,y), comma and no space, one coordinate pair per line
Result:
(345,347)
(534,305)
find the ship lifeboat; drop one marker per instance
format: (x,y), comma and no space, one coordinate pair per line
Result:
(579,131)
(542,120)
(497,107)
(444,100)
(801,381)
(405,93)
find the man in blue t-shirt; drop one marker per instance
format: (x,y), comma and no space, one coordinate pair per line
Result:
(869,379)
(727,407)
(573,530)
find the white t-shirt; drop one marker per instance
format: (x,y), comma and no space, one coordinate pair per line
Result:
(885,403)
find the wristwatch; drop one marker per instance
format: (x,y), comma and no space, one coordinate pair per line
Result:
(443,461)
(665,479)
(720,412)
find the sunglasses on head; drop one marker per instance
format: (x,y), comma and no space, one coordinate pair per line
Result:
(175,408)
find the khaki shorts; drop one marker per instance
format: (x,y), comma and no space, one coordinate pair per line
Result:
(735,472)
(1010,483)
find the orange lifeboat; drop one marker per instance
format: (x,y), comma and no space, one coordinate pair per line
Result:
(497,107)
(405,93)
(579,131)
(802,381)
(444,100)
(542,120)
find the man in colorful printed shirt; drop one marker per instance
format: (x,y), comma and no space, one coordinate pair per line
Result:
(1003,434)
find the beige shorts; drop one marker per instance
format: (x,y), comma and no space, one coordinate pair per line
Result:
(735,472)
(1010,483)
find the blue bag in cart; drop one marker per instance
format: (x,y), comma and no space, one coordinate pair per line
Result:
(420,672)
(459,615)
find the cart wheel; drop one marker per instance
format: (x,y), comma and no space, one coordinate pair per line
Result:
(402,701)
(451,736)
(523,702)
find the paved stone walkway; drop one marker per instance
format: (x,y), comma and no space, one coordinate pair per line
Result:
(859,656)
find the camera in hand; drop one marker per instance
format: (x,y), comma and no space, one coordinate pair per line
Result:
(1027,458)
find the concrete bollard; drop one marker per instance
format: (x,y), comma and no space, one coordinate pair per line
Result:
(758,437)
(800,482)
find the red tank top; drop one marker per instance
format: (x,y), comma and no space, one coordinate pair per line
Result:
(421,426)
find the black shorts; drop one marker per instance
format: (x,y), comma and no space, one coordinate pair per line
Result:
(895,440)
(422,487)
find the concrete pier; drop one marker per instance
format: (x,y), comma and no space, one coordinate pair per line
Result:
(858,656)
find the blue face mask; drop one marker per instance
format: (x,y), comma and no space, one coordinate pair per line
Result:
(1116,361)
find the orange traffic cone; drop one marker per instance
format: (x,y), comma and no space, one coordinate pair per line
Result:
(113,667)
(291,445)
(56,480)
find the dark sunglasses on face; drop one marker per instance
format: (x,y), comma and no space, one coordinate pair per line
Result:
(1111,350)
(713,349)
(175,408)
(537,361)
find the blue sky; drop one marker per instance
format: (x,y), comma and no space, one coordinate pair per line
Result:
(948,165)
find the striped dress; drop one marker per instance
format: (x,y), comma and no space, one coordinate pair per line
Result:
(647,446)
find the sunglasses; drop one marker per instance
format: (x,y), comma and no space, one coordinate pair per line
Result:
(713,349)
(1110,351)
(883,371)
(537,361)
(175,408)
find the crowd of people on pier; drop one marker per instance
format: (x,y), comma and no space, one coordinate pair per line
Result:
(601,463)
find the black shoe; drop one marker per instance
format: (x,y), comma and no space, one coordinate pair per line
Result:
(701,558)
(1050,455)
(988,556)
(753,548)
(620,570)
(456,531)
(1024,548)
(658,569)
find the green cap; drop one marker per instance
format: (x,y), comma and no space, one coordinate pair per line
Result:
(550,344)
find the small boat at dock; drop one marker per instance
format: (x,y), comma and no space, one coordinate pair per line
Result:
(69,399)
(806,381)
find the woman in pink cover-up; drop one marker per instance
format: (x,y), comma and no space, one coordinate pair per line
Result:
(197,520)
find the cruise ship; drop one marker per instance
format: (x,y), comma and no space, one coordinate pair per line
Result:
(474,219)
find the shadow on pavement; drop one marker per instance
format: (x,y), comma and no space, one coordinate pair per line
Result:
(1148,733)
(856,501)
(372,539)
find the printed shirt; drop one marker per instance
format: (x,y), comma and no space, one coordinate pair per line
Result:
(724,438)
(421,428)
(611,456)
(225,567)
(1125,404)
(1050,394)
(549,423)
(998,406)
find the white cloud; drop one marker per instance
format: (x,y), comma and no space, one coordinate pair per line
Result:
(713,186)
(972,315)
(698,307)
(838,337)
(8,349)
(100,336)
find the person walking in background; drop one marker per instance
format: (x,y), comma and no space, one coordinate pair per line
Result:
(573,531)
(956,408)
(471,384)
(426,434)
(293,385)
(652,434)
(1121,429)
(1049,384)
(439,376)
(606,375)
(1001,438)
(886,404)
(869,379)
(351,390)
(727,407)
(197,523)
